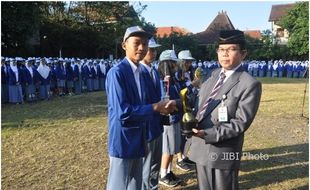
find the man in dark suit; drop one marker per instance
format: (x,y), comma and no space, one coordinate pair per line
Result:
(227,104)
(128,113)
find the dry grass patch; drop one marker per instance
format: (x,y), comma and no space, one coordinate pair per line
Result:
(62,143)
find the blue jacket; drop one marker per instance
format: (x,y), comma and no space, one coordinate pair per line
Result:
(76,72)
(174,93)
(100,74)
(12,77)
(153,127)
(86,73)
(60,72)
(69,73)
(4,74)
(27,76)
(93,72)
(127,114)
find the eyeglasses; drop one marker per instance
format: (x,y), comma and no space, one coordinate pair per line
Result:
(228,50)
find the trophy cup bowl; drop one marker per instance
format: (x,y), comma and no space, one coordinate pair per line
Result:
(188,123)
(188,120)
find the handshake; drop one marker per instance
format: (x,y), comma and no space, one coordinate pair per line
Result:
(165,107)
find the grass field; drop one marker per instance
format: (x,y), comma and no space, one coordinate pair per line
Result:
(62,143)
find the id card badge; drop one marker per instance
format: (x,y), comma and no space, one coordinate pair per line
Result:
(222,111)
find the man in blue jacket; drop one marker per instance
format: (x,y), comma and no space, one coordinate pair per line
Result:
(128,113)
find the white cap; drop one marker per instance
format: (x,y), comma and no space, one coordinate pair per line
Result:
(185,55)
(153,44)
(168,55)
(135,30)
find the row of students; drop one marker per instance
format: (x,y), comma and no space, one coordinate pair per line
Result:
(33,79)
(277,68)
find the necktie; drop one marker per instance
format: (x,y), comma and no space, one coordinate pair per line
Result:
(213,93)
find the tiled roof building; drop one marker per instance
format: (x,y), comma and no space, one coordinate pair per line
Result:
(167,31)
(277,12)
(210,35)
(255,34)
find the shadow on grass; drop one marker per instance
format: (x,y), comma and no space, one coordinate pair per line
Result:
(58,108)
(283,164)
(271,80)
(305,187)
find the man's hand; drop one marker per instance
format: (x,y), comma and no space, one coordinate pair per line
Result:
(198,133)
(171,106)
(196,82)
(165,106)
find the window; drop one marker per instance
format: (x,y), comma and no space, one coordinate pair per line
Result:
(280,32)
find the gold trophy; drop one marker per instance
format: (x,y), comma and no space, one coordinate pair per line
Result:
(198,73)
(188,120)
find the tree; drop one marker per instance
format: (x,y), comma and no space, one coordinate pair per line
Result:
(19,22)
(77,28)
(297,24)
(179,42)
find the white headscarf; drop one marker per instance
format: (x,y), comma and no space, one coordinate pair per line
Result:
(102,67)
(14,69)
(30,70)
(43,70)
(95,68)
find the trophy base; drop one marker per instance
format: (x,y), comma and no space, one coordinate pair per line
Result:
(187,133)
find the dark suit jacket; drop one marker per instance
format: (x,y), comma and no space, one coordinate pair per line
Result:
(243,94)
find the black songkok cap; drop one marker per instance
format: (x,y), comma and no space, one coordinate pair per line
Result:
(231,37)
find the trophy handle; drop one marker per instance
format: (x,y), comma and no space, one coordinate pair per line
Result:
(183,97)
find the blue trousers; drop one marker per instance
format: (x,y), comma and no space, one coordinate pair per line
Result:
(125,174)
(151,164)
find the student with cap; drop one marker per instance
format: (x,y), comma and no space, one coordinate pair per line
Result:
(129,112)
(228,102)
(186,73)
(154,129)
(187,79)
(172,131)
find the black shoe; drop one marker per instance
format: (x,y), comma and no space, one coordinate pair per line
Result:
(168,181)
(189,162)
(174,177)
(183,166)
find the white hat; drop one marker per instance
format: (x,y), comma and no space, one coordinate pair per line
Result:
(168,55)
(135,30)
(185,55)
(153,44)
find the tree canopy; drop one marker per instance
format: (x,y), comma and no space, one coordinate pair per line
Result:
(95,29)
(297,24)
(83,29)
